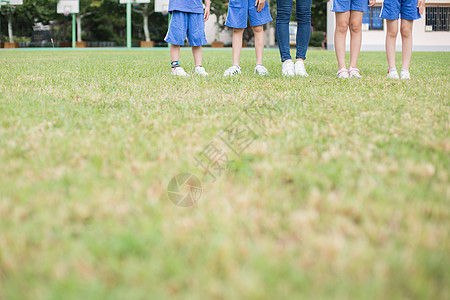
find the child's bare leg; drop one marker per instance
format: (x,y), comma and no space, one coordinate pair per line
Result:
(342,21)
(258,31)
(355,36)
(197,52)
(174,52)
(237,45)
(406,32)
(391,37)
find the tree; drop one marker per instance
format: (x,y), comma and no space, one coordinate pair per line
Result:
(319,15)
(8,11)
(219,8)
(85,6)
(32,12)
(145,10)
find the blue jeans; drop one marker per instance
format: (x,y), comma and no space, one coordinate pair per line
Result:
(303,12)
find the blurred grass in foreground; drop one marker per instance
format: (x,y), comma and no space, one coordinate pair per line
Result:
(346,196)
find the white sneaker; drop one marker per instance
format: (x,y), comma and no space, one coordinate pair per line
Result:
(343,73)
(261,70)
(179,71)
(354,72)
(404,74)
(299,68)
(392,74)
(233,70)
(199,70)
(287,68)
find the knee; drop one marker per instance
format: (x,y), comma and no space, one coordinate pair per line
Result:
(238,30)
(392,32)
(283,15)
(342,27)
(355,27)
(257,29)
(303,16)
(405,32)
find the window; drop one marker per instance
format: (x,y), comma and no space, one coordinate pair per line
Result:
(438,18)
(372,19)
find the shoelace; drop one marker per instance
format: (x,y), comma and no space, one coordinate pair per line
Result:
(233,70)
(260,68)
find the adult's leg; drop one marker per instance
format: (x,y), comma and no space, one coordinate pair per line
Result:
(284,9)
(406,32)
(340,33)
(197,52)
(303,12)
(237,45)
(355,36)
(258,31)
(391,37)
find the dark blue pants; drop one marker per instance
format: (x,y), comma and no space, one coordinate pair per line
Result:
(303,13)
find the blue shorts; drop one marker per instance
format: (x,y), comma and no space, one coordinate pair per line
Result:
(406,8)
(239,9)
(190,24)
(347,5)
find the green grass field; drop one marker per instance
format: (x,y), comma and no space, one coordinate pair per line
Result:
(346,195)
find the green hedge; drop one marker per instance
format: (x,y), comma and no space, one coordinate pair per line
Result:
(316,39)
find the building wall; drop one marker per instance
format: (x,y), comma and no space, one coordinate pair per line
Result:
(373,40)
(211,29)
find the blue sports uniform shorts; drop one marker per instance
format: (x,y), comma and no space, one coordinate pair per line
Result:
(239,9)
(347,5)
(187,24)
(406,8)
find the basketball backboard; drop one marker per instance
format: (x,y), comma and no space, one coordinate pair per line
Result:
(134,1)
(68,7)
(161,6)
(11,2)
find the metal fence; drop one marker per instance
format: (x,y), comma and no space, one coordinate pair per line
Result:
(438,18)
